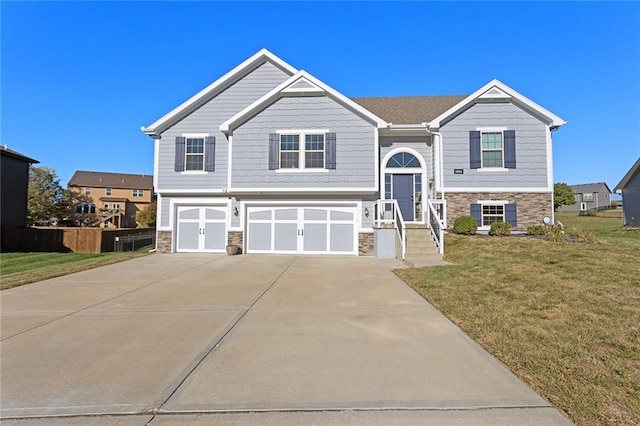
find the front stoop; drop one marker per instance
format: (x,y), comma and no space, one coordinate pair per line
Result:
(421,249)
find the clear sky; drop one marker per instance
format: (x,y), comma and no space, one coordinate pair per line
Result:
(78,79)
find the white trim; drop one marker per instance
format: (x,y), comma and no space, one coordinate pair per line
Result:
(483,203)
(202,136)
(212,192)
(193,172)
(376,158)
(262,56)
(549,146)
(302,170)
(229,160)
(515,97)
(156,161)
(493,202)
(492,169)
(272,190)
(406,171)
(491,129)
(277,93)
(499,189)
(196,202)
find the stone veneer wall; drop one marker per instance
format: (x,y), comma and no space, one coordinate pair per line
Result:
(235,238)
(164,241)
(531,206)
(365,244)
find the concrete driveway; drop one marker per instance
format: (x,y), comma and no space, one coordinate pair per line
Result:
(183,339)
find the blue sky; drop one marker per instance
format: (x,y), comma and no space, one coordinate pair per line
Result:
(78,79)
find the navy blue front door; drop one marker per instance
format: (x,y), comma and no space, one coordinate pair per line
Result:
(403,193)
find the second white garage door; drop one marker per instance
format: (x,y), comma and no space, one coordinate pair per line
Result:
(311,230)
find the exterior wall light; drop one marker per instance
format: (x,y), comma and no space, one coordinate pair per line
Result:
(366,211)
(235,211)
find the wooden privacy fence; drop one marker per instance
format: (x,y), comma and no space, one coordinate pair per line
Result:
(77,240)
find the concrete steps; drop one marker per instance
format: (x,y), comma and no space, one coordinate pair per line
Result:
(420,244)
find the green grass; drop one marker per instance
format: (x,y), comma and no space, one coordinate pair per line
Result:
(564,317)
(23,268)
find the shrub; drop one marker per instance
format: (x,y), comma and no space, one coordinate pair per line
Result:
(500,229)
(555,234)
(465,225)
(581,235)
(592,213)
(536,230)
(614,204)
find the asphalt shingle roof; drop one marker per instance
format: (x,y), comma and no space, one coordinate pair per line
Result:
(409,109)
(111,180)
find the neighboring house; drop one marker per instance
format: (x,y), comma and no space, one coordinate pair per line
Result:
(589,196)
(629,187)
(111,200)
(273,160)
(14,170)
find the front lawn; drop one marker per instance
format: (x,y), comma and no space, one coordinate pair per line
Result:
(23,268)
(564,317)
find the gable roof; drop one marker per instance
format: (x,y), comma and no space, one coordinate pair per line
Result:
(589,187)
(409,109)
(497,90)
(300,83)
(15,154)
(203,96)
(111,180)
(630,174)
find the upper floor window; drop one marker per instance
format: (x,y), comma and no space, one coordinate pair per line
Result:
(587,196)
(403,159)
(309,155)
(195,152)
(138,192)
(194,159)
(87,191)
(86,208)
(302,150)
(107,191)
(492,149)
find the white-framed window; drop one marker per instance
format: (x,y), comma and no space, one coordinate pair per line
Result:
(105,206)
(194,153)
(492,149)
(87,191)
(107,191)
(587,196)
(492,213)
(115,206)
(302,149)
(86,208)
(138,192)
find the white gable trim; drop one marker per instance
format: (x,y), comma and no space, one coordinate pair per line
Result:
(319,88)
(495,89)
(186,107)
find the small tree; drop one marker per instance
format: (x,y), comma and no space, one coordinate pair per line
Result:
(147,218)
(563,195)
(45,195)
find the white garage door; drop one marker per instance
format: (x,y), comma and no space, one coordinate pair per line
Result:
(311,230)
(201,229)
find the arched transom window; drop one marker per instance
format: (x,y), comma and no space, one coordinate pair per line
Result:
(403,159)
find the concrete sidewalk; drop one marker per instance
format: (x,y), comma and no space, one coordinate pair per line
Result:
(246,339)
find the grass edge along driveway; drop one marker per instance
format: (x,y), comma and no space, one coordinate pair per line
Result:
(562,316)
(18,269)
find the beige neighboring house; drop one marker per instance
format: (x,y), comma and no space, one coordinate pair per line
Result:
(111,199)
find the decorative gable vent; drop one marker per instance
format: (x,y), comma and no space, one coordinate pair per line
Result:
(302,86)
(493,94)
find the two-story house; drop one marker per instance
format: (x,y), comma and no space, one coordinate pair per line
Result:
(272,159)
(14,181)
(589,196)
(110,200)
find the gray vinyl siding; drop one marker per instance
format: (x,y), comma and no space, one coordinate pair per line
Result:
(631,201)
(355,150)
(207,119)
(164,212)
(600,196)
(531,150)
(419,144)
